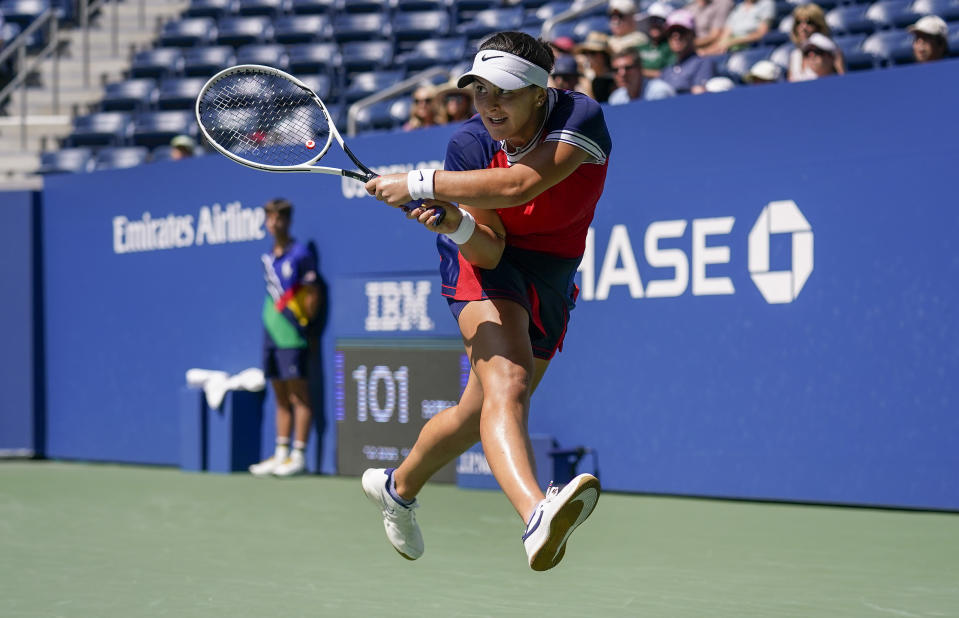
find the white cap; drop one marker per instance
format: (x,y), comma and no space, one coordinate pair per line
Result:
(504,70)
(820,41)
(659,9)
(765,70)
(933,25)
(719,84)
(622,6)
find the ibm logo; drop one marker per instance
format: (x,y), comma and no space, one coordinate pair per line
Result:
(398,305)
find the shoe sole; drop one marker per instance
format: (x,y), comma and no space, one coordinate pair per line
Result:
(374,498)
(578,507)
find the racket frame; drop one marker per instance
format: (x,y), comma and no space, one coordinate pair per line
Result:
(364,175)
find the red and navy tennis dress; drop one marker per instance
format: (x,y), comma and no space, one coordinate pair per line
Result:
(285,344)
(545,237)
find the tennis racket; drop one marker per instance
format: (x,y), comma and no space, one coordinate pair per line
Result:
(267,119)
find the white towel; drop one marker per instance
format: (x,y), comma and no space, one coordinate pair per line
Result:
(215,384)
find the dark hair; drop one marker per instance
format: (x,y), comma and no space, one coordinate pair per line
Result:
(279,206)
(523,45)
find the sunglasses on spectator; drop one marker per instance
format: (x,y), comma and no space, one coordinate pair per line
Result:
(807,22)
(418,101)
(625,68)
(817,52)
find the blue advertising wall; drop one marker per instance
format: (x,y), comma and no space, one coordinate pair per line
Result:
(767,310)
(21,407)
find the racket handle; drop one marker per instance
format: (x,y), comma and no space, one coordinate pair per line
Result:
(439,212)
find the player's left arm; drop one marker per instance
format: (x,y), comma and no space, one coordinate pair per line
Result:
(546,165)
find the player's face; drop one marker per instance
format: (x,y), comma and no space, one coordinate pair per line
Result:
(277,224)
(508,114)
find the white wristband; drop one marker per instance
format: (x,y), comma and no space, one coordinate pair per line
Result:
(420,184)
(465,230)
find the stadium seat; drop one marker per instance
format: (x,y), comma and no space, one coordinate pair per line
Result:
(420,25)
(269,55)
(849,20)
(179,92)
(825,5)
(66,160)
(129,95)
(492,20)
(23,12)
(363,6)
(853,55)
(890,47)
(738,63)
(780,55)
(312,7)
(364,84)
(361,27)
(551,9)
(101,129)
(946,9)
(592,23)
(156,63)
(464,10)
(210,8)
(379,116)
(402,6)
(268,8)
(314,58)
(322,85)
(205,61)
(954,39)
(293,29)
(188,32)
(432,52)
(122,157)
(366,55)
(158,128)
(887,14)
(238,31)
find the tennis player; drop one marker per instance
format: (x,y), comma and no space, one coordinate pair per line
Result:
(527,172)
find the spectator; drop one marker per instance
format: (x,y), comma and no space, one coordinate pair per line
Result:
(628,67)
(456,103)
(563,45)
(291,303)
(931,40)
(763,72)
(565,74)
(423,112)
(183,147)
(747,23)
(622,23)
(691,71)
(597,72)
(710,18)
(819,54)
(807,20)
(720,83)
(656,54)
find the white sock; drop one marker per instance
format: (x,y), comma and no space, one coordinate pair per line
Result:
(282,452)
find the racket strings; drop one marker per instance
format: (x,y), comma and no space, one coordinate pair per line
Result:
(265,119)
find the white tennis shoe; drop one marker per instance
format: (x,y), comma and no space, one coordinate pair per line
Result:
(293,465)
(555,518)
(399,521)
(265,467)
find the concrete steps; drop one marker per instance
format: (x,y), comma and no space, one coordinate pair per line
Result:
(78,92)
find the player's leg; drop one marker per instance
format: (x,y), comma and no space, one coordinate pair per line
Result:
(496,333)
(298,417)
(444,437)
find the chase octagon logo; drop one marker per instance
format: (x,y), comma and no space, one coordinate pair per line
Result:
(780,286)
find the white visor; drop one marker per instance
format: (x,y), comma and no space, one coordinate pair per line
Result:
(504,70)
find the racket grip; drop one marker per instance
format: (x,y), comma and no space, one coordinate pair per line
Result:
(439,212)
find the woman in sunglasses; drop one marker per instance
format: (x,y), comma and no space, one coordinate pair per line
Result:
(423,111)
(808,19)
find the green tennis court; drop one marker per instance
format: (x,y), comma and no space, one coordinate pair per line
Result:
(97,541)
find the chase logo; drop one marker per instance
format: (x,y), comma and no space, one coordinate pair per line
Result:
(780,286)
(398,306)
(696,256)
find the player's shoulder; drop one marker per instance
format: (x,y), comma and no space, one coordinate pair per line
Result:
(578,119)
(575,107)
